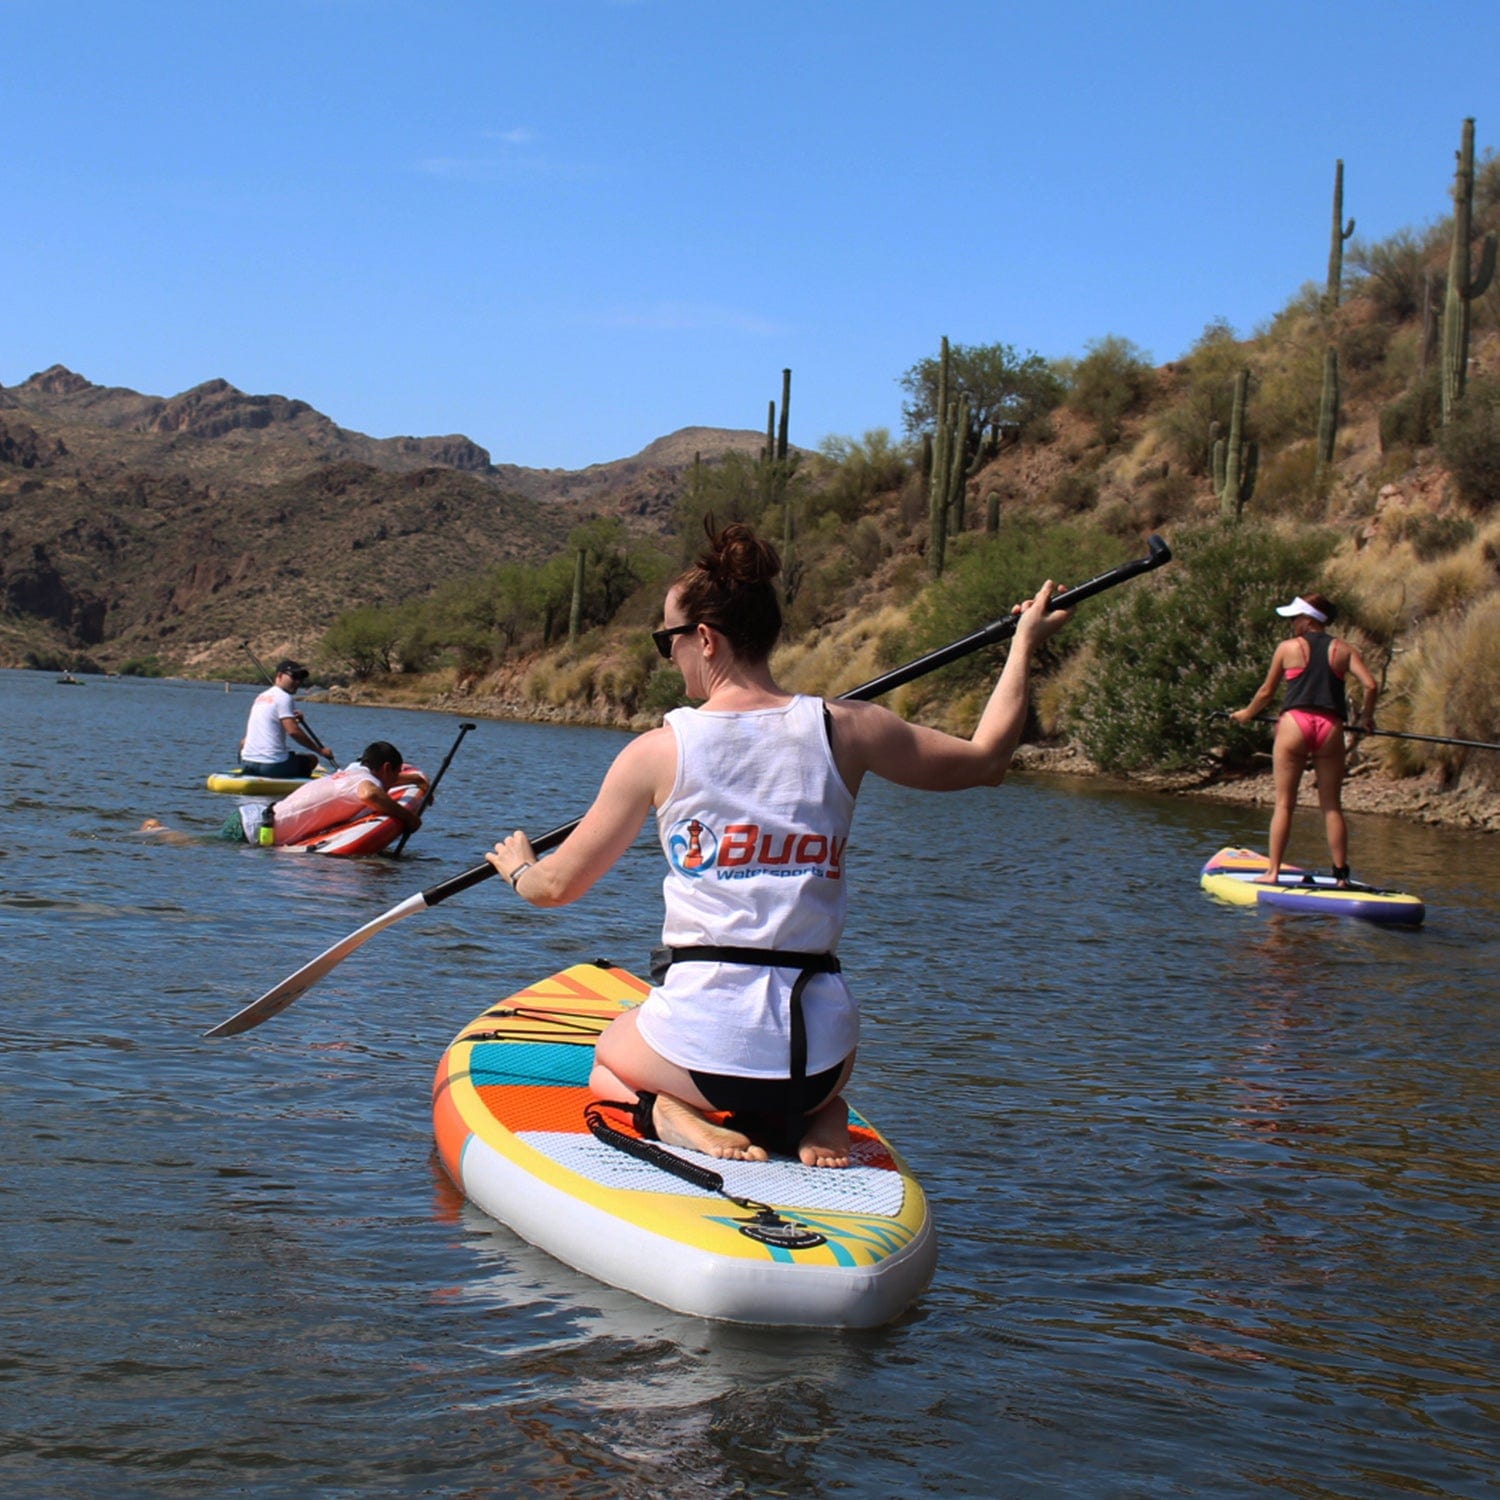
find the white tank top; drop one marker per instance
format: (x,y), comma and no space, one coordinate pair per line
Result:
(755,832)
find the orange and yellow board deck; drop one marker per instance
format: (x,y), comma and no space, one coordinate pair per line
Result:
(508,1116)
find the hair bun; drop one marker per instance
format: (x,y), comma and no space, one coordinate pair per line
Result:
(736,557)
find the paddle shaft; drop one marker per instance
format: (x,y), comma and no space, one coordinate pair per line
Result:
(1393,734)
(997,630)
(271,682)
(274,1001)
(422,806)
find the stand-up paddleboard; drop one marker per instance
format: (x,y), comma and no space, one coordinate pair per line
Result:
(367,834)
(780,1244)
(1231,876)
(239,783)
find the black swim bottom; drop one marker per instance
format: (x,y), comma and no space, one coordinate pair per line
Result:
(767,1096)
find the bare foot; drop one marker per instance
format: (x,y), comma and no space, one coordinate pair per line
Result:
(1267,877)
(825,1143)
(679,1124)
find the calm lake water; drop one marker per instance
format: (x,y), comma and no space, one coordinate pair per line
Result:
(1216,1188)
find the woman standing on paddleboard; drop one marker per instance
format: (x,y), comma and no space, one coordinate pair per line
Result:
(754,796)
(1311,726)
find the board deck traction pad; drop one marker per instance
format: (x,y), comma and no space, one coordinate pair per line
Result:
(514,1082)
(1230,875)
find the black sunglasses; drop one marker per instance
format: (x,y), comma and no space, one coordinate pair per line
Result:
(663,638)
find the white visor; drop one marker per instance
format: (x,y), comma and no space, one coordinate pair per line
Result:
(1300,606)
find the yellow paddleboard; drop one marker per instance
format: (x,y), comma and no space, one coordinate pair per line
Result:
(805,1246)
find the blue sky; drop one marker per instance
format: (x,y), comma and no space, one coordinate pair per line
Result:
(567,227)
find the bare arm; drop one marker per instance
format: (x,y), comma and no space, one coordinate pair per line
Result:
(1266,691)
(378,800)
(295,731)
(869,738)
(639,779)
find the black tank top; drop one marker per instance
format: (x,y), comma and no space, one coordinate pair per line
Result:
(1316,686)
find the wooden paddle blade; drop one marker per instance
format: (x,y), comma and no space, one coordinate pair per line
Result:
(273,1002)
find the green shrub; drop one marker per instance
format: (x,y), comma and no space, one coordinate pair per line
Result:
(362,641)
(1073,492)
(1363,347)
(854,472)
(1435,536)
(1196,638)
(987,577)
(1285,398)
(1286,481)
(1390,273)
(143,666)
(664,692)
(1470,445)
(1187,424)
(1109,382)
(1411,419)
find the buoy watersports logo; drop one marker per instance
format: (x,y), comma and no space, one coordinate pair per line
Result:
(692,846)
(695,849)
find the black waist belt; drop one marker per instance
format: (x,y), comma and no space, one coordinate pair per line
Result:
(662,959)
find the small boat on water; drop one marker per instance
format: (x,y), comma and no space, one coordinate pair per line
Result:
(69,680)
(1232,876)
(771,1242)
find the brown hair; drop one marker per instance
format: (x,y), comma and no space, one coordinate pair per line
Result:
(732,588)
(1320,603)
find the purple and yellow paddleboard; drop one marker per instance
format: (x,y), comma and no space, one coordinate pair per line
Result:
(1231,876)
(508,1114)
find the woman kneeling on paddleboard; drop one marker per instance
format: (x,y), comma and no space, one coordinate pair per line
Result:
(1311,726)
(754,795)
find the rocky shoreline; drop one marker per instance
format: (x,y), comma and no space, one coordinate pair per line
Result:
(1425,798)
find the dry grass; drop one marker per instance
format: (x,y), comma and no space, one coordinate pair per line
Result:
(840,658)
(1447,682)
(1386,586)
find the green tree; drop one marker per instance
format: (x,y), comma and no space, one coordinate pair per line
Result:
(1003,389)
(1205,397)
(1197,638)
(851,472)
(729,488)
(988,575)
(1470,445)
(1390,272)
(1110,381)
(614,568)
(363,641)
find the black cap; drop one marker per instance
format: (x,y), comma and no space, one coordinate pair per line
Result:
(291,668)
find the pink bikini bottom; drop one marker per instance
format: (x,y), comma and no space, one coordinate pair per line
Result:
(1317,728)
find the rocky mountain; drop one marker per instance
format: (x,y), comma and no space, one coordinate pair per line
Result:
(135,526)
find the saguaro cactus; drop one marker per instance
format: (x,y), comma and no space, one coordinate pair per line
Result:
(1328,417)
(575,613)
(777,467)
(1462,287)
(1341,232)
(948,477)
(1236,460)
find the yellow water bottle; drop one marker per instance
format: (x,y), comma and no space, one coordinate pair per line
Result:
(266,834)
